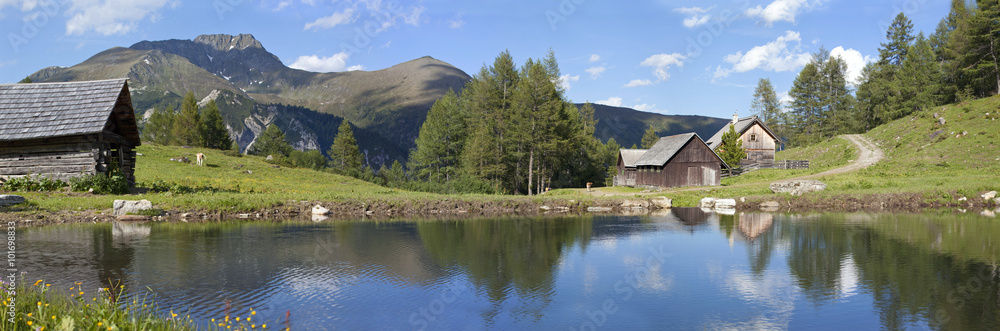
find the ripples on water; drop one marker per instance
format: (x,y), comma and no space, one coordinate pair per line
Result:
(684,269)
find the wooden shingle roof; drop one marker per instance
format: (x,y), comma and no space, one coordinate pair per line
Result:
(741,127)
(631,156)
(666,148)
(42,110)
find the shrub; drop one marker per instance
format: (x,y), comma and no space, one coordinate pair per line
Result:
(33,184)
(111,183)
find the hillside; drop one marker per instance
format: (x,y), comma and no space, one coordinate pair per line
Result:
(627,125)
(254,89)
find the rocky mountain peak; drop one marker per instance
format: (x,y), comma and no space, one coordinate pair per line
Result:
(225,42)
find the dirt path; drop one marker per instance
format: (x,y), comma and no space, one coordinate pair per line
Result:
(868,154)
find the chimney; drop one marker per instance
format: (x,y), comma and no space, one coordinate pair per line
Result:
(736,118)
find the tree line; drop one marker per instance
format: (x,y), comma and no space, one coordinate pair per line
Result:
(958,62)
(189,127)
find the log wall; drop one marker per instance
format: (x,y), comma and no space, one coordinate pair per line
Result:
(63,158)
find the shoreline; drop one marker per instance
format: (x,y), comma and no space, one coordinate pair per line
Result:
(424,208)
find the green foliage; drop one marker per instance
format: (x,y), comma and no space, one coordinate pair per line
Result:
(650,138)
(980,68)
(271,142)
(111,183)
(311,159)
(158,129)
(26,80)
(822,104)
(185,127)
(213,129)
(440,142)
(731,149)
(32,184)
(344,153)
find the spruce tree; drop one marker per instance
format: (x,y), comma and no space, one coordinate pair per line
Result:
(440,141)
(980,66)
(731,148)
(158,129)
(765,103)
(920,75)
(271,142)
(650,137)
(344,152)
(213,129)
(185,128)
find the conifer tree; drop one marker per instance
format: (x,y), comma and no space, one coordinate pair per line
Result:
(921,76)
(185,128)
(344,152)
(980,66)
(440,141)
(213,129)
(271,142)
(158,129)
(650,137)
(731,148)
(765,103)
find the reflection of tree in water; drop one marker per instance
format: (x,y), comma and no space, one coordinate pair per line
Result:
(504,255)
(817,251)
(114,251)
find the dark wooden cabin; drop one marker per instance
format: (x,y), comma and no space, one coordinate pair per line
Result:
(679,160)
(65,130)
(758,140)
(626,166)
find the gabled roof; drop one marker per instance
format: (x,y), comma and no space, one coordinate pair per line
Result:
(741,127)
(631,156)
(667,147)
(41,110)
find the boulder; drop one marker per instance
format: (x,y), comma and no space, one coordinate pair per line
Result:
(941,121)
(662,202)
(936,115)
(124,207)
(10,200)
(996,202)
(269,157)
(599,209)
(797,187)
(707,203)
(989,195)
(770,206)
(319,210)
(182,159)
(637,204)
(725,204)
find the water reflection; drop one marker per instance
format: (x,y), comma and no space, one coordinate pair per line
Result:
(685,268)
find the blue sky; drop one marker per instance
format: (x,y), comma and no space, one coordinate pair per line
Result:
(671,57)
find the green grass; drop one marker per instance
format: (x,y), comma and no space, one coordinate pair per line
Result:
(39,306)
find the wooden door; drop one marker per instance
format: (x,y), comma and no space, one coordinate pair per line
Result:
(694,176)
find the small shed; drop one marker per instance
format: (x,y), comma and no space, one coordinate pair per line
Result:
(679,160)
(65,130)
(758,140)
(627,171)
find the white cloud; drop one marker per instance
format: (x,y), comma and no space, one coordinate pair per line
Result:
(662,63)
(782,10)
(697,16)
(855,62)
(596,72)
(357,67)
(639,82)
(564,81)
(282,5)
(594,58)
(335,63)
(785,99)
(648,108)
(108,17)
(783,54)
(456,23)
(612,101)
(343,17)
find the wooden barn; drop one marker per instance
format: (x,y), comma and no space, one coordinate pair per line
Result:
(65,130)
(758,140)
(679,160)
(627,170)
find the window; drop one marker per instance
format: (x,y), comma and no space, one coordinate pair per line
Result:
(753,137)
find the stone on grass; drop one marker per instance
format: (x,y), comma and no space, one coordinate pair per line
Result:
(989,195)
(10,200)
(635,204)
(124,207)
(707,203)
(662,202)
(797,187)
(319,210)
(725,204)
(941,121)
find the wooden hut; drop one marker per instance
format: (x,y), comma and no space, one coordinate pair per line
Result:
(626,166)
(679,160)
(758,140)
(64,130)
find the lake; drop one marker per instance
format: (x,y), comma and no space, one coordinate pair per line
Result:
(682,269)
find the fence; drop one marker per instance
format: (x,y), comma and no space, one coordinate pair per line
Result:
(782,164)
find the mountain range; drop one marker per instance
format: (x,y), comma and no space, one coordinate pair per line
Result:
(254,89)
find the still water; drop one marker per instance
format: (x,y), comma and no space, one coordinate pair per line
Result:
(683,269)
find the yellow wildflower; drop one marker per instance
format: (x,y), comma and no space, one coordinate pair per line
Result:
(29,323)
(38,282)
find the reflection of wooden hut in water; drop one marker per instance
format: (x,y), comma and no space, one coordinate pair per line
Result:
(753,225)
(691,217)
